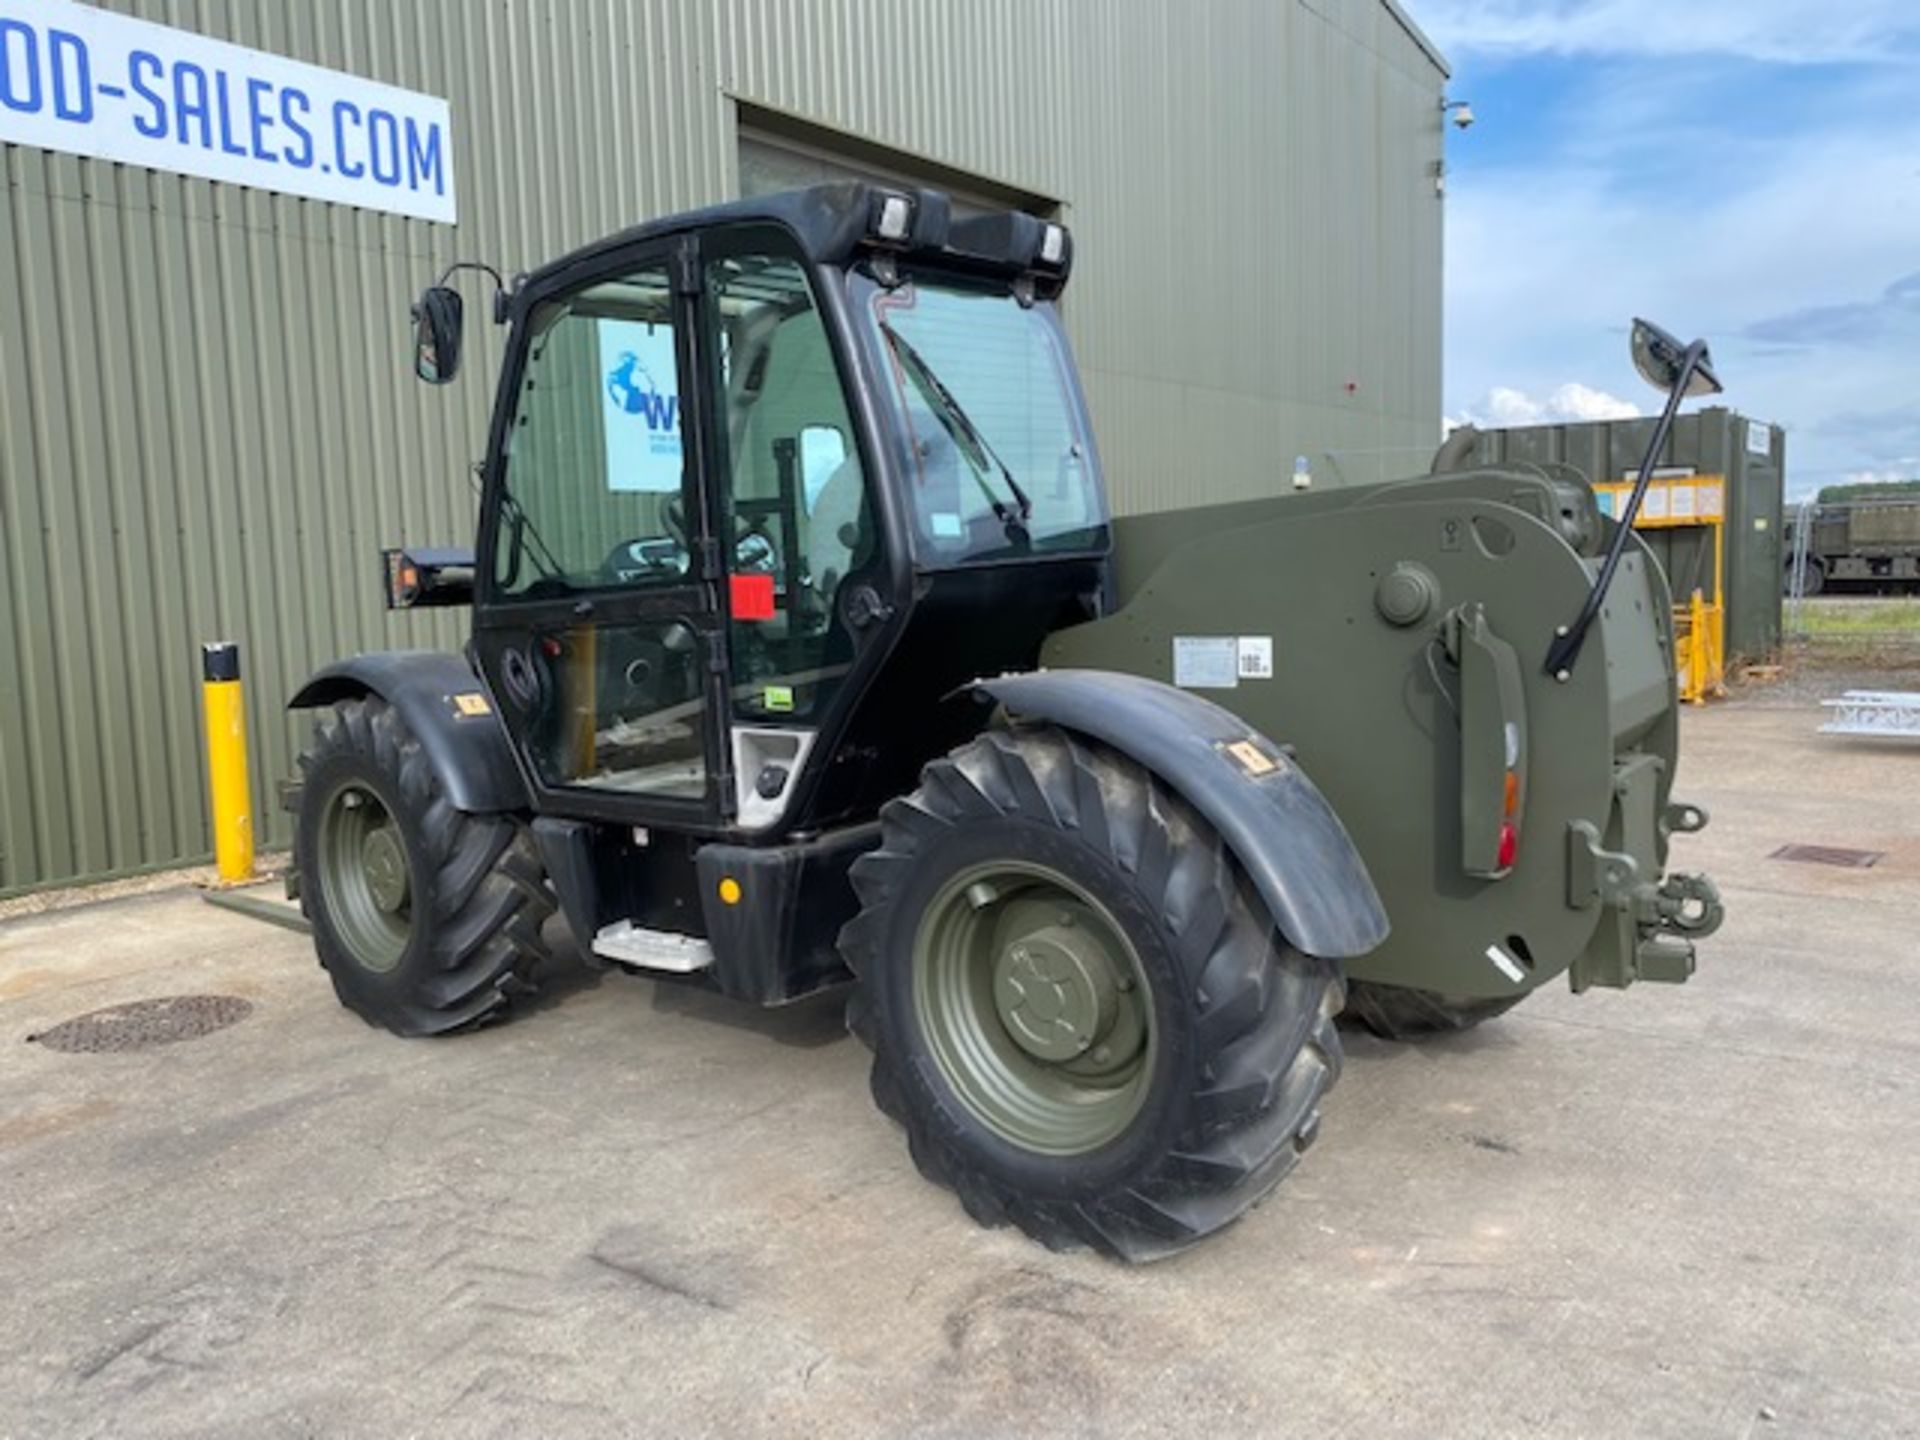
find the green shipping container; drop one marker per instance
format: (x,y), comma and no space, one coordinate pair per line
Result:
(1750,454)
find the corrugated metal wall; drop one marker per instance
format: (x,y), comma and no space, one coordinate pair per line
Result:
(207,428)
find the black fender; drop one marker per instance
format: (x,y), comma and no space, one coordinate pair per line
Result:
(1272,817)
(446,706)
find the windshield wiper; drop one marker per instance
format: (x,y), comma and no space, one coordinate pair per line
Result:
(521,531)
(965,435)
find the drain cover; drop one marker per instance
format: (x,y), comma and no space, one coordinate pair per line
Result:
(1830,855)
(144,1024)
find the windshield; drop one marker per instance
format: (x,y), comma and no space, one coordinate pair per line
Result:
(987,426)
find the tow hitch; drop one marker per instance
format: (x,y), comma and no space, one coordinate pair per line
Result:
(1656,919)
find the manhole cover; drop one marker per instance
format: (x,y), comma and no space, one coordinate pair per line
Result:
(1830,855)
(144,1024)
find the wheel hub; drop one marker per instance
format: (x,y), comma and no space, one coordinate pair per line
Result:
(1034,1007)
(1054,992)
(359,872)
(385,868)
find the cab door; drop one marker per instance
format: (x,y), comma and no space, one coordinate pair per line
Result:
(810,583)
(599,626)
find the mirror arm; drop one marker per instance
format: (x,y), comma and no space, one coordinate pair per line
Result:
(480,267)
(1564,653)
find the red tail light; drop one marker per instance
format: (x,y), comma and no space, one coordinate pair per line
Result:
(1509,846)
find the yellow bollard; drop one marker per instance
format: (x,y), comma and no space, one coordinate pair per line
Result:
(226,715)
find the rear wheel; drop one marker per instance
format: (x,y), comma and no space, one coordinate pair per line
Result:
(1398,1012)
(425,918)
(1078,1008)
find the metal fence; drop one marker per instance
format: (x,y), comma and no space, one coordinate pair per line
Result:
(1852,580)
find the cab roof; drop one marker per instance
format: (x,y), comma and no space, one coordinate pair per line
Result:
(835,223)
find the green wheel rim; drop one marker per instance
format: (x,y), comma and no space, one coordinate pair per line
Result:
(363,872)
(1034,1006)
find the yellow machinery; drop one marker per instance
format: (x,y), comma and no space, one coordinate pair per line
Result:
(1697,503)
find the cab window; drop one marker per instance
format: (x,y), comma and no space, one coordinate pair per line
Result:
(798,519)
(988,426)
(594,475)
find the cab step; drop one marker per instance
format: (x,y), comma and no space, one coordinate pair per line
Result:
(625,943)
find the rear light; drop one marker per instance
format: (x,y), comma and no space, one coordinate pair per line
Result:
(1511,806)
(1509,846)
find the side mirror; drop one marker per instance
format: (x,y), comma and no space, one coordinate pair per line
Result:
(437,326)
(1661,359)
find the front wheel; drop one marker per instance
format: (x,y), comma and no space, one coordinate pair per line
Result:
(1077,1006)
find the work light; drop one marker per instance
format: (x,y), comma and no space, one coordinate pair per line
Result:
(893,218)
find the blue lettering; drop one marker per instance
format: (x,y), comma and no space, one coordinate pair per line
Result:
(72,76)
(302,157)
(662,412)
(188,76)
(12,96)
(258,121)
(423,158)
(142,65)
(383,141)
(344,110)
(227,143)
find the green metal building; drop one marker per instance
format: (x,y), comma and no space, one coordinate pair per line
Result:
(207,423)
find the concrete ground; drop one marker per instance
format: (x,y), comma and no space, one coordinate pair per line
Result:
(1669,1212)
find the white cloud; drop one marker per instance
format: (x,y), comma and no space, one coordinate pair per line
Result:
(1506,406)
(1546,264)
(1792,32)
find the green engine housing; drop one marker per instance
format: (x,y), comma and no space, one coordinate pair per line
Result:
(1394,636)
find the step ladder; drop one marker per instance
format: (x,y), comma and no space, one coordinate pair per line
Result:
(1890,714)
(626,943)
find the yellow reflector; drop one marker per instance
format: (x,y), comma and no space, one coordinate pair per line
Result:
(1513,793)
(729,891)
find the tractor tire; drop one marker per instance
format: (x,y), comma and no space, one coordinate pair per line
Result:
(426,919)
(1399,1012)
(1079,1009)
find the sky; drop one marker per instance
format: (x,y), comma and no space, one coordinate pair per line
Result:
(1746,171)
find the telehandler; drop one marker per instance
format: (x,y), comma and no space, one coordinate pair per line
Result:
(805,650)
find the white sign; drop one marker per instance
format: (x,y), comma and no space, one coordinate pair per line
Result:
(640,406)
(87,82)
(1759,438)
(1206,662)
(1256,657)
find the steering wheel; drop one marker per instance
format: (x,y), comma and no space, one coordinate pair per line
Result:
(754,550)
